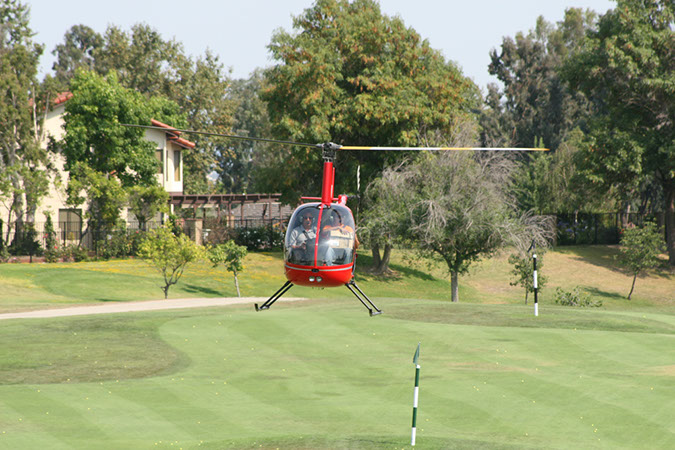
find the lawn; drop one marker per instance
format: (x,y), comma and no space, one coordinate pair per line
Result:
(594,269)
(321,373)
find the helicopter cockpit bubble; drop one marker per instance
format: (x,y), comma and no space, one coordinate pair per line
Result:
(320,235)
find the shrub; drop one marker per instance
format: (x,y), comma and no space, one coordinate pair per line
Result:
(52,252)
(260,238)
(575,298)
(26,241)
(116,244)
(74,252)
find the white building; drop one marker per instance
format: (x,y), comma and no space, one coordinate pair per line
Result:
(68,222)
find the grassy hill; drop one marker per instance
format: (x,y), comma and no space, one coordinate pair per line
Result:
(33,286)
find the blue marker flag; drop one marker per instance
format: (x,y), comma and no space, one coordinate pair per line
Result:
(416,358)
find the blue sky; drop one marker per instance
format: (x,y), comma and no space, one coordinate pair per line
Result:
(239,31)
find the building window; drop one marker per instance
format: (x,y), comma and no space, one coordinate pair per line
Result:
(70,224)
(159,154)
(176,165)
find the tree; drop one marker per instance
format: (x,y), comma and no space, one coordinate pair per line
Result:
(523,271)
(202,91)
(51,244)
(626,68)
(146,201)
(23,163)
(104,194)
(147,63)
(455,208)
(231,256)
(556,182)
(103,158)
(538,107)
(169,254)
(78,50)
(142,59)
(355,76)
(640,249)
(237,160)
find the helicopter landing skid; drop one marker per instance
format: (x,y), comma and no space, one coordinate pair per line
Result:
(277,295)
(363,298)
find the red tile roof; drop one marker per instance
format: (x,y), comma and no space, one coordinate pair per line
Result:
(63,97)
(174,135)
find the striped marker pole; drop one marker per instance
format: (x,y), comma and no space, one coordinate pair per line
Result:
(416,395)
(536,300)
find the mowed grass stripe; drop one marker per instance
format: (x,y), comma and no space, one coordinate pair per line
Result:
(348,379)
(51,417)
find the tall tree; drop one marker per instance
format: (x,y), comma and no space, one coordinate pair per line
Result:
(143,60)
(23,163)
(236,160)
(78,50)
(355,76)
(538,107)
(202,90)
(627,68)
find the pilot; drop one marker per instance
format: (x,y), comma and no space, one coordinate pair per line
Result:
(302,235)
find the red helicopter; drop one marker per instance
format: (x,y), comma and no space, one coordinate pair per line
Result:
(320,244)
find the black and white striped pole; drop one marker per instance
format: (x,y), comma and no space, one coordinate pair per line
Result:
(534,277)
(416,361)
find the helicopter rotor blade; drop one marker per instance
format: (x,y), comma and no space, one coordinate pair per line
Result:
(456,149)
(229,136)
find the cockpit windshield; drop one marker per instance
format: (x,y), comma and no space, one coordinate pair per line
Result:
(320,235)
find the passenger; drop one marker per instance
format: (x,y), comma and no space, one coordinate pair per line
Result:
(339,239)
(344,230)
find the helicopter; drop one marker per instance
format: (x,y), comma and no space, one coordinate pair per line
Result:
(320,242)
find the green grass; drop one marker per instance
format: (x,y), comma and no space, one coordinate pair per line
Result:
(322,374)
(38,286)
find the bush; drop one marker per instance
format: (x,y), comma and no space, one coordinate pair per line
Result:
(260,238)
(575,298)
(52,252)
(120,243)
(115,244)
(74,252)
(26,241)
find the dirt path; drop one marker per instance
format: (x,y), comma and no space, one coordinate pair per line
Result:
(151,305)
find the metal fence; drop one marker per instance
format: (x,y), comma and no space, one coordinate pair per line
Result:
(598,228)
(571,229)
(18,236)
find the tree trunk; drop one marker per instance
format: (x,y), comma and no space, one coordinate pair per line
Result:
(526,292)
(454,286)
(633,286)
(669,191)
(236,284)
(382,265)
(376,255)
